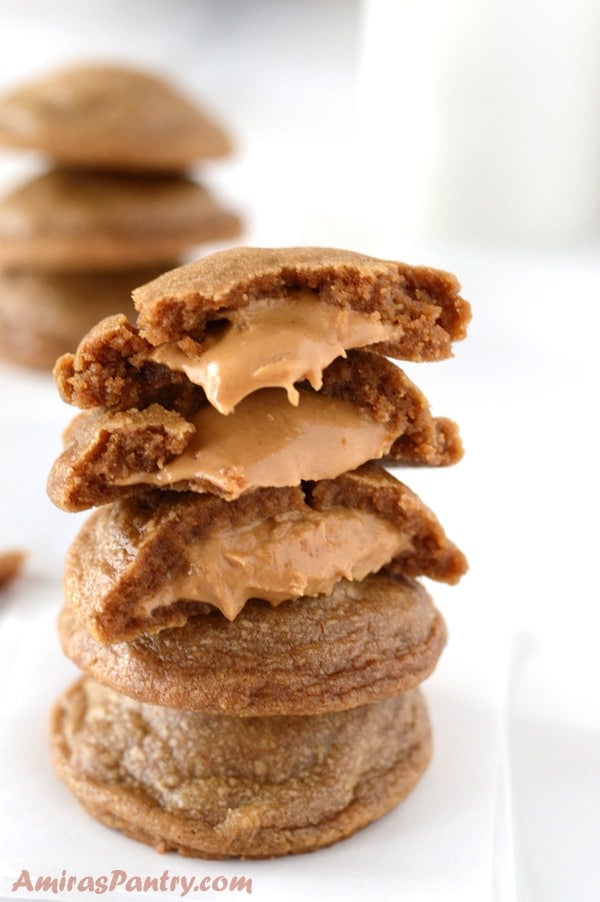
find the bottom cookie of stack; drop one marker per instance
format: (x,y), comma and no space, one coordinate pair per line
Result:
(217,786)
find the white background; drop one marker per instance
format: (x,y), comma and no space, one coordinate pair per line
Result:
(463,136)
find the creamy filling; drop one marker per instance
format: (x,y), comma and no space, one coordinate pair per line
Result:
(274,345)
(299,553)
(268,442)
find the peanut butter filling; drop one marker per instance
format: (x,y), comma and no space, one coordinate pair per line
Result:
(268,442)
(299,553)
(273,345)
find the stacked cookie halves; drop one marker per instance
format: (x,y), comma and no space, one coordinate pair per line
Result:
(115,210)
(245,599)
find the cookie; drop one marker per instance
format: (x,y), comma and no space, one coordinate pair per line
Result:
(423,304)
(143,564)
(220,787)
(366,409)
(11,563)
(45,314)
(264,318)
(78,220)
(110,116)
(364,642)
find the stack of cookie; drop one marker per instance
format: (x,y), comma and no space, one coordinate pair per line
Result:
(116,210)
(245,600)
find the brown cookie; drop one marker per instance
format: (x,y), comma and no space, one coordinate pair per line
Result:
(45,314)
(194,312)
(143,564)
(112,117)
(423,302)
(362,643)
(366,409)
(220,787)
(77,220)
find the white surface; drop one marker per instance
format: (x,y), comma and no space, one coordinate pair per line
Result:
(509,808)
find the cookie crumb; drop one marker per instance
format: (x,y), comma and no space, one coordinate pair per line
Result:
(11,563)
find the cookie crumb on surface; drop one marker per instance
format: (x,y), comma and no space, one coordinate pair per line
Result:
(11,563)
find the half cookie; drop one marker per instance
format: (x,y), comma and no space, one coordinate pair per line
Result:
(250,318)
(367,409)
(69,219)
(110,116)
(364,642)
(219,787)
(144,564)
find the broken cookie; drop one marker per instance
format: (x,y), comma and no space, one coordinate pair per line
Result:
(366,409)
(143,564)
(249,318)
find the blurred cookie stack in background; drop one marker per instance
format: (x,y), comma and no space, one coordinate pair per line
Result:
(245,602)
(118,206)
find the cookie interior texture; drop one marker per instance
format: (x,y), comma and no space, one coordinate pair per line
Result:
(217,787)
(134,564)
(364,642)
(110,116)
(78,220)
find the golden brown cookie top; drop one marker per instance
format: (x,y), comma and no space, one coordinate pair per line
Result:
(365,641)
(286,313)
(367,409)
(110,116)
(218,786)
(69,219)
(145,563)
